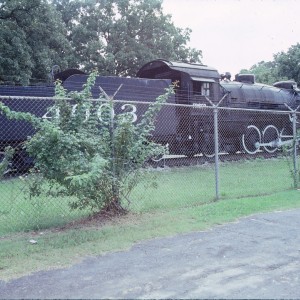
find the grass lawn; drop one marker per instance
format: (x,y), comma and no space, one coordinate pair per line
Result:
(19,212)
(183,202)
(60,248)
(177,188)
(187,186)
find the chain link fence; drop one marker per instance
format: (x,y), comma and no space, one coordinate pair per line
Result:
(213,153)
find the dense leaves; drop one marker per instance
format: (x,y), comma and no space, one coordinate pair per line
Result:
(119,36)
(285,66)
(96,160)
(265,72)
(32,40)
(289,63)
(5,160)
(116,37)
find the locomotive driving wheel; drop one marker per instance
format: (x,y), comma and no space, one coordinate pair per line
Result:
(209,150)
(251,139)
(157,157)
(270,134)
(209,155)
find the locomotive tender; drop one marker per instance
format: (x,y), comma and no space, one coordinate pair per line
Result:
(187,127)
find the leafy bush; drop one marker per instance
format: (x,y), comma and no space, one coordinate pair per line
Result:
(5,161)
(97,160)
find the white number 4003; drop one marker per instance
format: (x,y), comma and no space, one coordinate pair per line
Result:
(130,109)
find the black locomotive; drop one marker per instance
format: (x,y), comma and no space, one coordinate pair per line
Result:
(186,127)
(201,87)
(38,100)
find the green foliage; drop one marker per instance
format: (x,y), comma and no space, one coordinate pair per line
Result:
(119,36)
(4,163)
(290,153)
(265,72)
(32,40)
(97,160)
(116,37)
(284,66)
(288,63)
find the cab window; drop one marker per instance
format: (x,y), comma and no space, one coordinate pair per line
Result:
(205,89)
(202,88)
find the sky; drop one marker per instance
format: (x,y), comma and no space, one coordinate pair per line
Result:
(236,34)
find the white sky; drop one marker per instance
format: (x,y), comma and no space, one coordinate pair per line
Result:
(236,34)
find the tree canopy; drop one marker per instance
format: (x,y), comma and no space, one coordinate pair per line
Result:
(116,37)
(284,66)
(32,40)
(265,72)
(288,64)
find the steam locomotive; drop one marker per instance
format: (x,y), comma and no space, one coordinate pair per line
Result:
(187,125)
(202,87)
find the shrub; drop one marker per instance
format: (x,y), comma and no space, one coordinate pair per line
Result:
(97,160)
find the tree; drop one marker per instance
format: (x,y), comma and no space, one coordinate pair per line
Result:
(32,40)
(118,36)
(114,36)
(265,72)
(284,66)
(98,160)
(288,63)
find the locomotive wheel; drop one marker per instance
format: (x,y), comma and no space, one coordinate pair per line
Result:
(231,148)
(209,155)
(188,150)
(250,138)
(157,158)
(209,150)
(270,134)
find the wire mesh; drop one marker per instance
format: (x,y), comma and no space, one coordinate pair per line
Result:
(256,157)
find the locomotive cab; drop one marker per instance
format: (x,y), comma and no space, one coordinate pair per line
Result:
(192,79)
(197,86)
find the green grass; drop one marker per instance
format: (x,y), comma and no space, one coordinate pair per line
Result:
(56,249)
(195,185)
(19,212)
(177,188)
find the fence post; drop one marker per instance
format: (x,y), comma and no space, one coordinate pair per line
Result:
(294,120)
(216,140)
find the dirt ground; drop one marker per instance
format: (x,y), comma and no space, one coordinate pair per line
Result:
(257,257)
